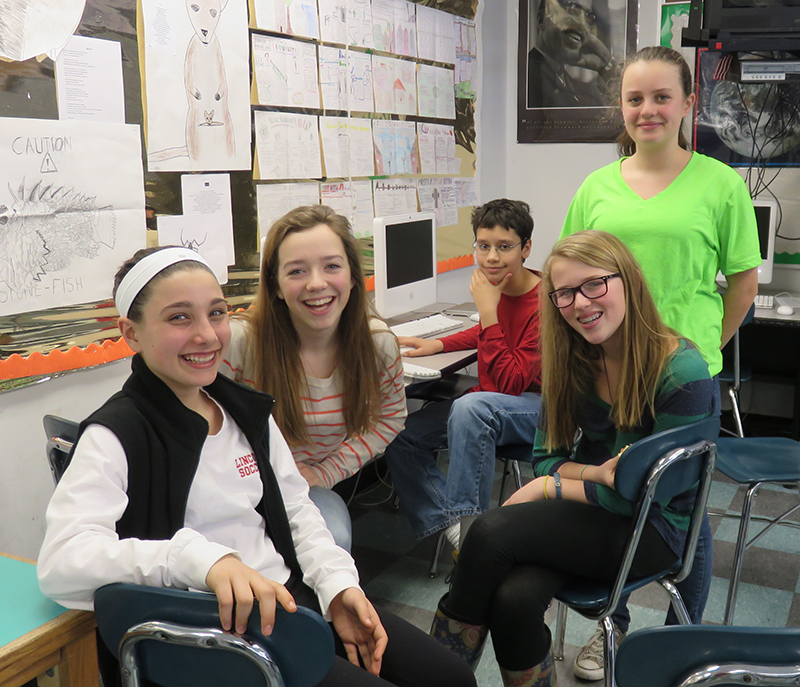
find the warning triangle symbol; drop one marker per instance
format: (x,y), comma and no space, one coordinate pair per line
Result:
(48,165)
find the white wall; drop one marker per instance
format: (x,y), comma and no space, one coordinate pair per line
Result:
(25,481)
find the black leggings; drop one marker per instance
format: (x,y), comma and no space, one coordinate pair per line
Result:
(412,659)
(515,558)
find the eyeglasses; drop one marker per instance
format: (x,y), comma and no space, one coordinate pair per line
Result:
(503,248)
(596,287)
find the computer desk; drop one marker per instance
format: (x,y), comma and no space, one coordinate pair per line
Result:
(37,634)
(771,345)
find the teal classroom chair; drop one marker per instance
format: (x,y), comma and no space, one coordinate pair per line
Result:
(655,468)
(697,655)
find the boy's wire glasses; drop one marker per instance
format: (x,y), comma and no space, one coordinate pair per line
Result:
(591,288)
(503,248)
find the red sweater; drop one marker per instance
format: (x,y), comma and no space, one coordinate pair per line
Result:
(509,358)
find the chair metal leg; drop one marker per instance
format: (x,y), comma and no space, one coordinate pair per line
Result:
(434,571)
(503,481)
(737,414)
(676,600)
(610,645)
(738,555)
(517,474)
(561,629)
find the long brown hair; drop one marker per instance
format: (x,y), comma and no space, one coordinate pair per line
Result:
(276,344)
(657,53)
(569,361)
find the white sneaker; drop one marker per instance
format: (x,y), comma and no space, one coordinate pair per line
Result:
(453,534)
(590,661)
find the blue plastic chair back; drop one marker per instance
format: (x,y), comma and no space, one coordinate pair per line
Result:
(301,644)
(636,462)
(664,656)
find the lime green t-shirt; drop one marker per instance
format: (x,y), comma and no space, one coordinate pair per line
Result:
(702,223)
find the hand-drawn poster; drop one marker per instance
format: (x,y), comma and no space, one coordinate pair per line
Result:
(395,85)
(295,17)
(333,21)
(394,26)
(347,147)
(285,72)
(436,95)
(31,27)
(359,24)
(466,59)
(71,210)
(353,199)
(196,65)
(340,70)
(395,147)
(394,196)
(436,38)
(439,196)
(287,145)
(437,148)
(275,200)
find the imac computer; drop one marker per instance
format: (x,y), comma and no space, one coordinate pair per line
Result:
(767,221)
(405,262)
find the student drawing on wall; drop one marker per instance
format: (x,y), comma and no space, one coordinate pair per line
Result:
(209,129)
(44,227)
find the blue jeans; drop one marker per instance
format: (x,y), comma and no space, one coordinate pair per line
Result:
(334,512)
(473,426)
(696,587)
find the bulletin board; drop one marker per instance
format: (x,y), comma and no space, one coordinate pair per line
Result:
(346,102)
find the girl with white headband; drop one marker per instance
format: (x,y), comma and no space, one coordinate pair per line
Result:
(182,479)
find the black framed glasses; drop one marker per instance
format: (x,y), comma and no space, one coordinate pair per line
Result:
(596,287)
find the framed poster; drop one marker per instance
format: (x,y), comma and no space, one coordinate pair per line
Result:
(745,124)
(570,52)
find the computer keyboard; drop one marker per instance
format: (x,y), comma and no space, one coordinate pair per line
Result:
(764,301)
(426,327)
(411,370)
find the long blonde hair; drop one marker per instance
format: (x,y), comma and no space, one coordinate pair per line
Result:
(276,344)
(569,361)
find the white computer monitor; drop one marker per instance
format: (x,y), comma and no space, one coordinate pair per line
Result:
(405,262)
(767,221)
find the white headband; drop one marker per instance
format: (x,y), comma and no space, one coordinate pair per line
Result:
(147,268)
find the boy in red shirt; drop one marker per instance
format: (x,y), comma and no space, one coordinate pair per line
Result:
(502,409)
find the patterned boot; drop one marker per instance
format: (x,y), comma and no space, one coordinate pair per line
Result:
(467,641)
(543,675)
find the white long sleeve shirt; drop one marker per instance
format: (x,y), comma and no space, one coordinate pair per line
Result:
(82,551)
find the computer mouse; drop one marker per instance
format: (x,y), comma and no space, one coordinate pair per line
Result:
(785,310)
(475,317)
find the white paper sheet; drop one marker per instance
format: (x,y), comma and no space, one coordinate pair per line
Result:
(395,147)
(285,72)
(71,210)
(333,21)
(353,199)
(207,197)
(347,147)
(359,24)
(466,59)
(435,35)
(345,79)
(287,145)
(394,196)
(198,98)
(439,196)
(437,148)
(394,26)
(466,192)
(89,80)
(436,93)
(37,27)
(196,233)
(275,200)
(293,17)
(395,85)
